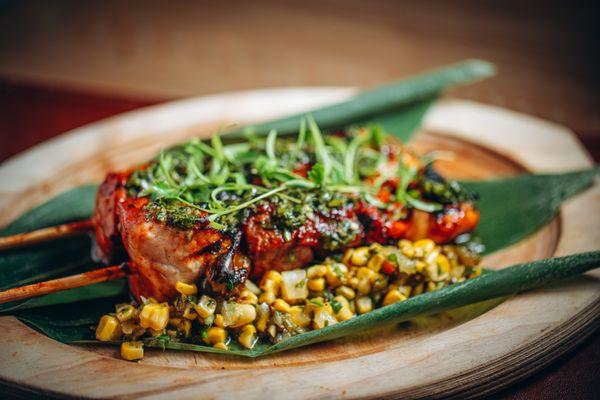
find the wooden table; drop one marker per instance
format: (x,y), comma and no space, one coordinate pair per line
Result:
(69,64)
(545,54)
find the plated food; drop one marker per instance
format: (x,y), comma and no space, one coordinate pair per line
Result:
(217,236)
(405,250)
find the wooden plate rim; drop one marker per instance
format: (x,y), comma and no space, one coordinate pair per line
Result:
(438,121)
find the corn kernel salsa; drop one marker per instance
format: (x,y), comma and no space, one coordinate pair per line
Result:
(292,302)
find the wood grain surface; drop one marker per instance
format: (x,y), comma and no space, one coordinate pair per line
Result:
(546,52)
(453,357)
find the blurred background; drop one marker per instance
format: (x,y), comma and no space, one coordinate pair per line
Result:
(151,51)
(67,63)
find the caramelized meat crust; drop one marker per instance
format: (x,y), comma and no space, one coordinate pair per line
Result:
(272,248)
(108,247)
(160,255)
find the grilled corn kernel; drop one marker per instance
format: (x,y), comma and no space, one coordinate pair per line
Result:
(423,247)
(154,316)
(221,346)
(267,297)
(185,327)
(417,289)
(214,334)
(132,351)
(365,273)
(124,312)
(360,256)
(208,320)
(375,262)
(299,317)
(380,282)
(393,296)
(316,285)
(364,286)
(186,288)
(271,281)
(252,287)
(353,307)
(272,330)
(247,337)
(189,313)
(404,243)
(219,321)
(458,271)
(129,326)
(264,313)
(375,247)
(335,274)
(345,312)
(247,297)
(273,275)
(364,304)
(346,291)
(323,317)
(406,247)
(316,271)
(236,315)
(206,306)
(405,290)
(108,329)
(433,255)
(281,305)
(347,256)
(315,304)
(431,286)
(408,251)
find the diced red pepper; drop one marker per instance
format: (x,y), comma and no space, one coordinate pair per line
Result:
(388,267)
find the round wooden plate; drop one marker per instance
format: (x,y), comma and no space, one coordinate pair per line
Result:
(455,356)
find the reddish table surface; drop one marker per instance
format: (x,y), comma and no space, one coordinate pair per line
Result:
(30,115)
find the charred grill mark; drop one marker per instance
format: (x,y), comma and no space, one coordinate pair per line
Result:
(213,248)
(223,271)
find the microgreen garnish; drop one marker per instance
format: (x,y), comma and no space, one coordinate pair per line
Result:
(218,180)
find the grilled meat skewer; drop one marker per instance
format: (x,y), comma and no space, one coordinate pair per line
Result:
(221,214)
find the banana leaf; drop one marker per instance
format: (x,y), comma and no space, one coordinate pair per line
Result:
(537,196)
(27,265)
(491,285)
(389,104)
(516,207)
(69,327)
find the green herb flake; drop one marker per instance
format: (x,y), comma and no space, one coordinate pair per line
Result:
(300,284)
(316,302)
(336,306)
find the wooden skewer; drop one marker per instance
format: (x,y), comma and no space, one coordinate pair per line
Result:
(68,282)
(46,234)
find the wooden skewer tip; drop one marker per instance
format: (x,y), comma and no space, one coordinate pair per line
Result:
(46,234)
(60,284)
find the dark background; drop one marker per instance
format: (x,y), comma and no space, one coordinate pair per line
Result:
(67,63)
